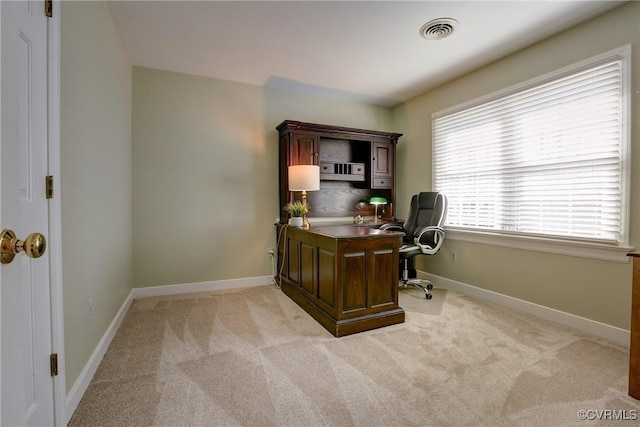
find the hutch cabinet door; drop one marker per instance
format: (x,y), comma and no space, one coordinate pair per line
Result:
(304,149)
(382,165)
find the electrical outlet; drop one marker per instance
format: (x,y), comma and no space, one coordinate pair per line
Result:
(453,256)
(90,307)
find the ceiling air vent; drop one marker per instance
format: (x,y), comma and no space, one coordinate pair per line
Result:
(438,29)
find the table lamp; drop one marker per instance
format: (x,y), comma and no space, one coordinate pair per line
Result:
(304,178)
(375,201)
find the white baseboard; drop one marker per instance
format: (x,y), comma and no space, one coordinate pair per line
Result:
(608,332)
(216,285)
(82,383)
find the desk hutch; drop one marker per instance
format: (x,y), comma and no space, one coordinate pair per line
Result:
(355,165)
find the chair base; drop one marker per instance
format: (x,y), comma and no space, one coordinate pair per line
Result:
(425,285)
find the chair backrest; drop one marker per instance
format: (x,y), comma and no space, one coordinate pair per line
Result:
(427,209)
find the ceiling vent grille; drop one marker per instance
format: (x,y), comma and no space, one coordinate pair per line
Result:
(438,29)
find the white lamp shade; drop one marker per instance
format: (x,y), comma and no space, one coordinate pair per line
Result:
(304,178)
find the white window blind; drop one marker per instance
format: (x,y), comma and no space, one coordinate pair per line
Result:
(547,160)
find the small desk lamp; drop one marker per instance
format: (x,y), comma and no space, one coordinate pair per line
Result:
(375,201)
(304,178)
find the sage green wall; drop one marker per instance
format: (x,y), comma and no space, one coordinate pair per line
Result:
(205,172)
(95,148)
(592,289)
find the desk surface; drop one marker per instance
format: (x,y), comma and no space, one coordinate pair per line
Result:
(351,231)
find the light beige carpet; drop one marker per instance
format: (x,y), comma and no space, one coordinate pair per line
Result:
(252,357)
(413,299)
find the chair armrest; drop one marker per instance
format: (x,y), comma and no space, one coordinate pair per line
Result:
(427,247)
(392,227)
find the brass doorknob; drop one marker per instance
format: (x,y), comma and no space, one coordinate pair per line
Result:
(33,246)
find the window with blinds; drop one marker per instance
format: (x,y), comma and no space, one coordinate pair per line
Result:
(546,159)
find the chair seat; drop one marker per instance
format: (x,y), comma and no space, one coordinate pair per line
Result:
(408,251)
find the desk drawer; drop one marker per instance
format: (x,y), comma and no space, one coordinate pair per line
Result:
(378,182)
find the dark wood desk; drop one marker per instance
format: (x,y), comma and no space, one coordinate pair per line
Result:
(344,276)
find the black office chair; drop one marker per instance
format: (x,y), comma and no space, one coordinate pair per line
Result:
(424,233)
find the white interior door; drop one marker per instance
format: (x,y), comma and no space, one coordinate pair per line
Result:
(25,302)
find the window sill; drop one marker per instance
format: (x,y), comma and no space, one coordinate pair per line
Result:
(540,244)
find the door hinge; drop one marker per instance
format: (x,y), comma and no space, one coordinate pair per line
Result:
(49,186)
(53,359)
(48,8)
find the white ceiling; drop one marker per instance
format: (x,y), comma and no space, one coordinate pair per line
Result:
(365,50)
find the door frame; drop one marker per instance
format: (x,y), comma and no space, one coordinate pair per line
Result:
(61,418)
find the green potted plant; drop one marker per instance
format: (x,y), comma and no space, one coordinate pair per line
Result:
(297,210)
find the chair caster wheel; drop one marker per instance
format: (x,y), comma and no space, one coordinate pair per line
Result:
(429,286)
(428,296)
